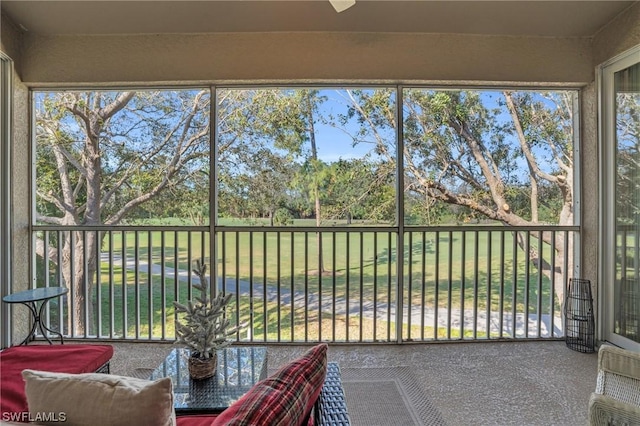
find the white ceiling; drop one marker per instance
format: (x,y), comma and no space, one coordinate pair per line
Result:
(518,18)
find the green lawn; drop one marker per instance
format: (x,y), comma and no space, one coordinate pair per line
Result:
(444,268)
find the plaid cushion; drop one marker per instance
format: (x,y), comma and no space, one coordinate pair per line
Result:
(285,398)
(195,420)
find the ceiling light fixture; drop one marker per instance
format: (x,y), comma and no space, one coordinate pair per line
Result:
(342,5)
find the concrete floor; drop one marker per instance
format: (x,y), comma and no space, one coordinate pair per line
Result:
(505,383)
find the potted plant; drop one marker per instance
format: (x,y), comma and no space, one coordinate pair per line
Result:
(204,328)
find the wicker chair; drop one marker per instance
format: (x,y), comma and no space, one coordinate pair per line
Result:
(331,407)
(616,400)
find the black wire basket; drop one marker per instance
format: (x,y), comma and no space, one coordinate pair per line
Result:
(579,322)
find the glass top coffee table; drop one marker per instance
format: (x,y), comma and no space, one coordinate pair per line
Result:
(239,368)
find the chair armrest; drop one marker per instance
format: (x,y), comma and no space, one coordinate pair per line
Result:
(619,361)
(331,407)
(605,411)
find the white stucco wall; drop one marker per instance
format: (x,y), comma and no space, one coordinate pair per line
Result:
(619,35)
(11,45)
(305,56)
(20,181)
(11,41)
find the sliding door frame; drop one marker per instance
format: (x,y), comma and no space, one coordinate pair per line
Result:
(607,194)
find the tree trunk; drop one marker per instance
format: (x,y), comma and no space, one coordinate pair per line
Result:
(561,268)
(79,277)
(316,189)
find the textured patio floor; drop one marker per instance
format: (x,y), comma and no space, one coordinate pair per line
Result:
(505,383)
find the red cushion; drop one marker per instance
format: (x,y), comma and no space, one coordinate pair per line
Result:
(55,358)
(196,420)
(285,398)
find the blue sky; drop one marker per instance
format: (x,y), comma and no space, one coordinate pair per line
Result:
(334,143)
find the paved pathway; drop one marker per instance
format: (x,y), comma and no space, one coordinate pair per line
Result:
(382,311)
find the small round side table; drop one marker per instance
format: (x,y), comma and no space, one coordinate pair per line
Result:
(29,298)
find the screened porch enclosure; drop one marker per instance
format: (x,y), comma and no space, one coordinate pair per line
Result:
(341,214)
